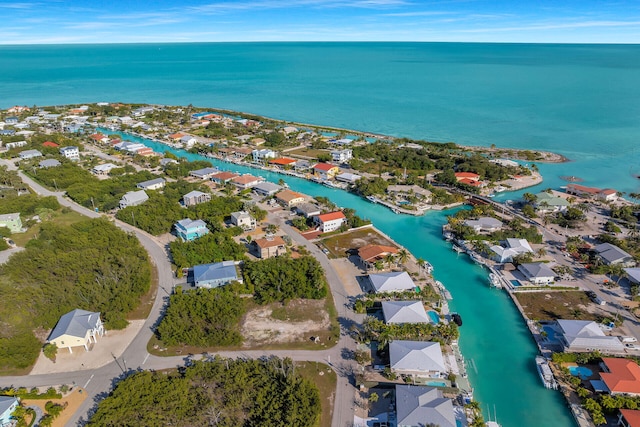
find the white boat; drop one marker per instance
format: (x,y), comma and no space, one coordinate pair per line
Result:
(372,199)
(545,373)
(457,248)
(476,258)
(494,280)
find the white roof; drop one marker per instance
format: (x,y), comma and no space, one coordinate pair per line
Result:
(135,196)
(389,282)
(419,356)
(485,222)
(633,273)
(404,312)
(194,193)
(583,334)
(106,167)
(513,247)
(536,270)
(10,217)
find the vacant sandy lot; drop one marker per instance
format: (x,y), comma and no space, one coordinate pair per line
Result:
(73,401)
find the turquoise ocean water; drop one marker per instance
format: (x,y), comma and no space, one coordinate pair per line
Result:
(582,101)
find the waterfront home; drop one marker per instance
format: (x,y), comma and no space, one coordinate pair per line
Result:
(629,418)
(268,247)
(204,173)
(70,152)
(29,154)
(341,156)
(395,281)
(404,312)
(260,156)
(406,190)
(244,220)
(266,188)
(100,138)
(189,230)
(195,197)
(620,376)
(606,195)
(325,170)
(152,184)
(370,254)
(467,177)
(17,109)
(349,178)
(308,210)
(484,224)
(129,147)
(586,335)
(418,406)
(537,273)
(222,178)
(549,203)
(512,247)
(215,275)
(77,328)
(341,142)
(49,163)
(302,166)
(330,221)
(11,221)
(288,198)
(283,162)
(611,255)
(246,181)
(417,358)
(133,198)
(8,404)
(103,169)
(164,162)
(188,141)
(175,137)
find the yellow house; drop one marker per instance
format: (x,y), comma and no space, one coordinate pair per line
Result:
(325,170)
(289,198)
(77,328)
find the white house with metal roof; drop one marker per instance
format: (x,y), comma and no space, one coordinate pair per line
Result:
(195,197)
(216,274)
(586,335)
(417,358)
(418,406)
(152,184)
(244,220)
(611,254)
(71,152)
(133,198)
(391,282)
(77,328)
(204,173)
(49,163)
(29,154)
(266,188)
(485,224)
(511,248)
(404,312)
(537,273)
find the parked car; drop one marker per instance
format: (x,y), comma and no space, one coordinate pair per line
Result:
(628,339)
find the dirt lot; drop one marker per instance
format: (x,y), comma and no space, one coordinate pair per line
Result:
(72,400)
(275,324)
(556,305)
(338,245)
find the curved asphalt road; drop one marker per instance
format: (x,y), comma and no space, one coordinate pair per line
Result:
(98,382)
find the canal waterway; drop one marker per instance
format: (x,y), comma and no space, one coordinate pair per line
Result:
(494,338)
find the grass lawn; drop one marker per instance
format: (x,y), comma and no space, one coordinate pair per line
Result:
(338,245)
(556,305)
(323,377)
(307,152)
(67,218)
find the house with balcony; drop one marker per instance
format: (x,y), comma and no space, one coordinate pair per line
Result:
(189,230)
(244,220)
(78,328)
(325,170)
(152,184)
(133,198)
(341,156)
(8,404)
(71,153)
(269,247)
(195,197)
(330,221)
(288,198)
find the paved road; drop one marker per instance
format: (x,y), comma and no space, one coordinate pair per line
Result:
(98,382)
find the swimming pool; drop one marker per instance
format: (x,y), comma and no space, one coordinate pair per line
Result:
(551,333)
(436,383)
(580,371)
(434,316)
(516,283)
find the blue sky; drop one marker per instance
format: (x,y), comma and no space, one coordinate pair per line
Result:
(136,21)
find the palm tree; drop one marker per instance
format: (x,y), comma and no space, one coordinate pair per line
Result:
(403,256)
(378,265)
(389,259)
(542,252)
(420,264)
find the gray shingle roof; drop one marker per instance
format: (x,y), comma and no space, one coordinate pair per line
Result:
(404,312)
(582,334)
(151,182)
(536,269)
(75,323)
(611,253)
(389,282)
(5,403)
(416,356)
(419,406)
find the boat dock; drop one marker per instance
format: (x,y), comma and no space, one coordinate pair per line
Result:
(548,380)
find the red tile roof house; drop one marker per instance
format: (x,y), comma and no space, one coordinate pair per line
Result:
(330,221)
(326,170)
(621,376)
(370,254)
(460,176)
(282,162)
(50,144)
(629,418)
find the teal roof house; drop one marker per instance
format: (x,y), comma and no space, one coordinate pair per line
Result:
(189,230)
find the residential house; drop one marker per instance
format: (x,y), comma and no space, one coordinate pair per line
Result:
(222,178)
(419,406)
(29,154)
(260,156)
(629,418)
(71,153)
(485,224)
(188,141)
(585,336)
(302,166)
(612,255)
(195,197)
(289,198)
(100,138)
(342,142)
(15,144)
(537,273)
(417,358)
(246,181)
(325,170)
(283,162)
(152,184)
(633,274)
(467,177)
(546,203)
(269,247)
(308,210)
(408,190)
(164,162)
(244,220)
(511,248)
(145,152)
(205,173)
(50,144)
(103,169)
(349,178)
(404,312)
(8,404)
(330,221)
(341,156)
(12,221)
(608,194)
(11,120)
(175,137)
(395,281)
(266,188)
(77,328)
(620,376)
(49,163)
(189,230)
(133,198)
(215,275)
(370,254)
